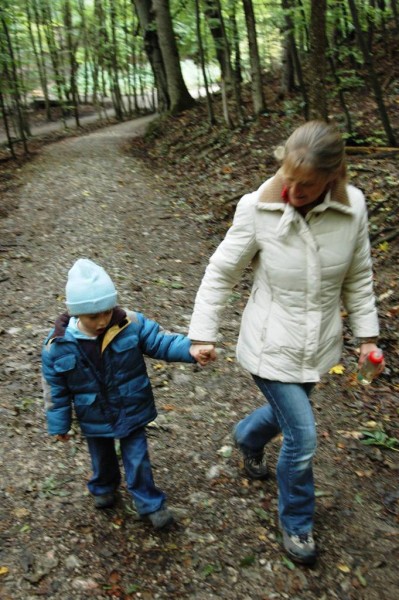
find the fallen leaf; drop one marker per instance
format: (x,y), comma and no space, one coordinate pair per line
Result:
(385,295)
(337,369)
(368,473)
(344,568)
(168,407)
(114,577)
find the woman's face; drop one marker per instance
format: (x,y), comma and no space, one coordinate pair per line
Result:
(305,185)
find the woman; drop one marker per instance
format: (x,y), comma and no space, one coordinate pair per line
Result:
(305,232)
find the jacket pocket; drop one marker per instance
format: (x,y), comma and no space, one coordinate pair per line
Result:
(88,409)
(65,363)
(85,399)
(125,344)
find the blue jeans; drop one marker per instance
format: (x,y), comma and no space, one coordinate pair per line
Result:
(138,473)
(288,411)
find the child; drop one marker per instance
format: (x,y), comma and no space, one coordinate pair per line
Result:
(93,359)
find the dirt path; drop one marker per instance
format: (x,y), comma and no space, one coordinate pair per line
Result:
(86,197)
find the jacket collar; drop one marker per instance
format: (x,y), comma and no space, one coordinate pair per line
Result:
(270,197)
(119,321)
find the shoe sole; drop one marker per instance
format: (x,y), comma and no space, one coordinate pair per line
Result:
(108,504)
(309,561)
(164,525)
(257,477)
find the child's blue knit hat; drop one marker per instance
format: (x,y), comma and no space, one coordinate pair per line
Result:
(89,289)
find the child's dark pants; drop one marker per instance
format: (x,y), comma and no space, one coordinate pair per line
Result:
(106,473)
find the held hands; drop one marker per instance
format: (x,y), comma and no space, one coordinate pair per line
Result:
(62,437)
(203,353)
(365,350)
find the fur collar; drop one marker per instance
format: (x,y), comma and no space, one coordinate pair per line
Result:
(270,192)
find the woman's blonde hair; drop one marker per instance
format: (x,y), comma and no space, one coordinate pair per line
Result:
(315,145)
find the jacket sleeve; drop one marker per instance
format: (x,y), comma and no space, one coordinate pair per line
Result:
(157,343)
(57,398)
(357,290)
(224,270)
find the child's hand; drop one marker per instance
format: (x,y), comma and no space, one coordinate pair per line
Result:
(62,437)
(203,353)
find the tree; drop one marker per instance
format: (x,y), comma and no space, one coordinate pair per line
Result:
(8,71)
(179,96)
(317,61)
(256,71)
(217,28)
(211,115)
(114,70)
(38,52)
(371,75)
(73,65)
(151,45)
(293,53)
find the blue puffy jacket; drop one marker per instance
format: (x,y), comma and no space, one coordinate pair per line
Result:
(113,401)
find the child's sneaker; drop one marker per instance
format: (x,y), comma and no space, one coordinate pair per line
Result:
(254,462)
(105,500)
(161,518)
(301,547)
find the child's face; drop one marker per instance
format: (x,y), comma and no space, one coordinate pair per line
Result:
(95,324)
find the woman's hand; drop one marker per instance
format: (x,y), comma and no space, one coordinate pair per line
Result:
(203,353)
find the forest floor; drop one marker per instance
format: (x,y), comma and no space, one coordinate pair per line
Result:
(151,210)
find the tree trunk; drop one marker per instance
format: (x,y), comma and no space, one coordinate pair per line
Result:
(116,90)
(341,95)
(85,42)
(216,26)
(288,69)
(256,71)
(53,51)
(214,17)
(12,78)
(180,98)
(237,63)
(316,80)
(395,12)
(73,66)
(287,6)
(3,109)
(39,54)
(211,115)
(371,75)
(151,45)
(370,26)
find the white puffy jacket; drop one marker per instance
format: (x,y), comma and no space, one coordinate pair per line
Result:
(303,267)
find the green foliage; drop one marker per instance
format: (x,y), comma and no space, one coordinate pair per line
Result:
(377,139)
(349,79)
(25,404)
(262,514)
(210,569)
(288,563)
(51,487)
(247,561)
(379,438)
